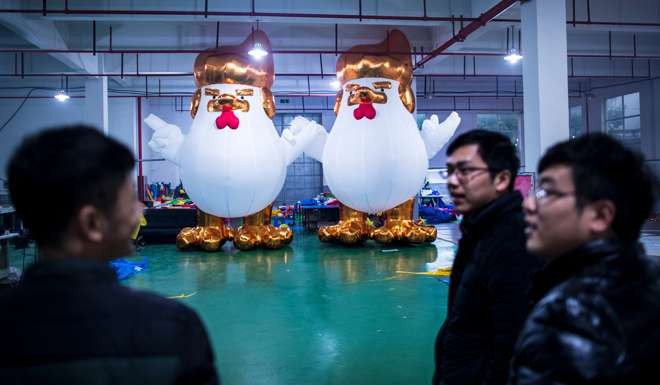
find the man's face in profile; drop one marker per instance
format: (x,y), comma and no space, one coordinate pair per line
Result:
(122,221)
(554,223)
(469,182)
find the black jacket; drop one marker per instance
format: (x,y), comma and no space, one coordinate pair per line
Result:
(597,320)
(72,322)
(487,300)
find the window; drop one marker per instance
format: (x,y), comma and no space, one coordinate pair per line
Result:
(507,124)
(575,126)
(304,177)
(622,119)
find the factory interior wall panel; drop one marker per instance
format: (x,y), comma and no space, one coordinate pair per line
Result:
(35,115)
(328,118)
(122,123)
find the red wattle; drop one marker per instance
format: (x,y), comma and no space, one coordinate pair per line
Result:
(364,110)
(227,118)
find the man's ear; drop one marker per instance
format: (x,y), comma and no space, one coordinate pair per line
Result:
(601,216)
(502,181)
(90,223)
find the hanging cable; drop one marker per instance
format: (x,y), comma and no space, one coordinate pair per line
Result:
(18,109)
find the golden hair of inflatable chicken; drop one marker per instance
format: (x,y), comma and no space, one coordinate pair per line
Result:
(233,65)
(387,59)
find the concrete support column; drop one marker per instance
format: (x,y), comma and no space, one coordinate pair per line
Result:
(545,77)
(96,103)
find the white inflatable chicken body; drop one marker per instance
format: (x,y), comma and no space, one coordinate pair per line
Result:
(232,171)
(375,158)
(232,163)
(373,163)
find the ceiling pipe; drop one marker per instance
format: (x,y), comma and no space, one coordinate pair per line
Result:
(358,17)
(297,52)
(464,32)
(254,14)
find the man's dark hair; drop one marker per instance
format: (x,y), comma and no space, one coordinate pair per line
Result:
(55,172)
(494,148)
(602,168)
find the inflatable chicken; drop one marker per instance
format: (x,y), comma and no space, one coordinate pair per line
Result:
(375,158)
(232,162)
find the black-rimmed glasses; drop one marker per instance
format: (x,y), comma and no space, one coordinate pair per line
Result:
(463,173)
(543,194)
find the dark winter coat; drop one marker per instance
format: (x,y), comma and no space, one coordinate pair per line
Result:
(597,320)
(487,300)
(72,322)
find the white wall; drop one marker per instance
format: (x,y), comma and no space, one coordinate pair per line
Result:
(122,121)
(38,114)
(35,115)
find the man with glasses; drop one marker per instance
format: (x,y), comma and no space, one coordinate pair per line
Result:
(597,314)
(491,272)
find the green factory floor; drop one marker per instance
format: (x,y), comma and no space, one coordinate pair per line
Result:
(311,313)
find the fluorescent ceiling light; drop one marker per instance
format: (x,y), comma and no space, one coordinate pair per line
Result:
(513,57)
(258,51)
(335,84)
(61,96)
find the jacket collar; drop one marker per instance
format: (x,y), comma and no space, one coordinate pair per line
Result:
(578,260)
(482,218)
(79,271)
